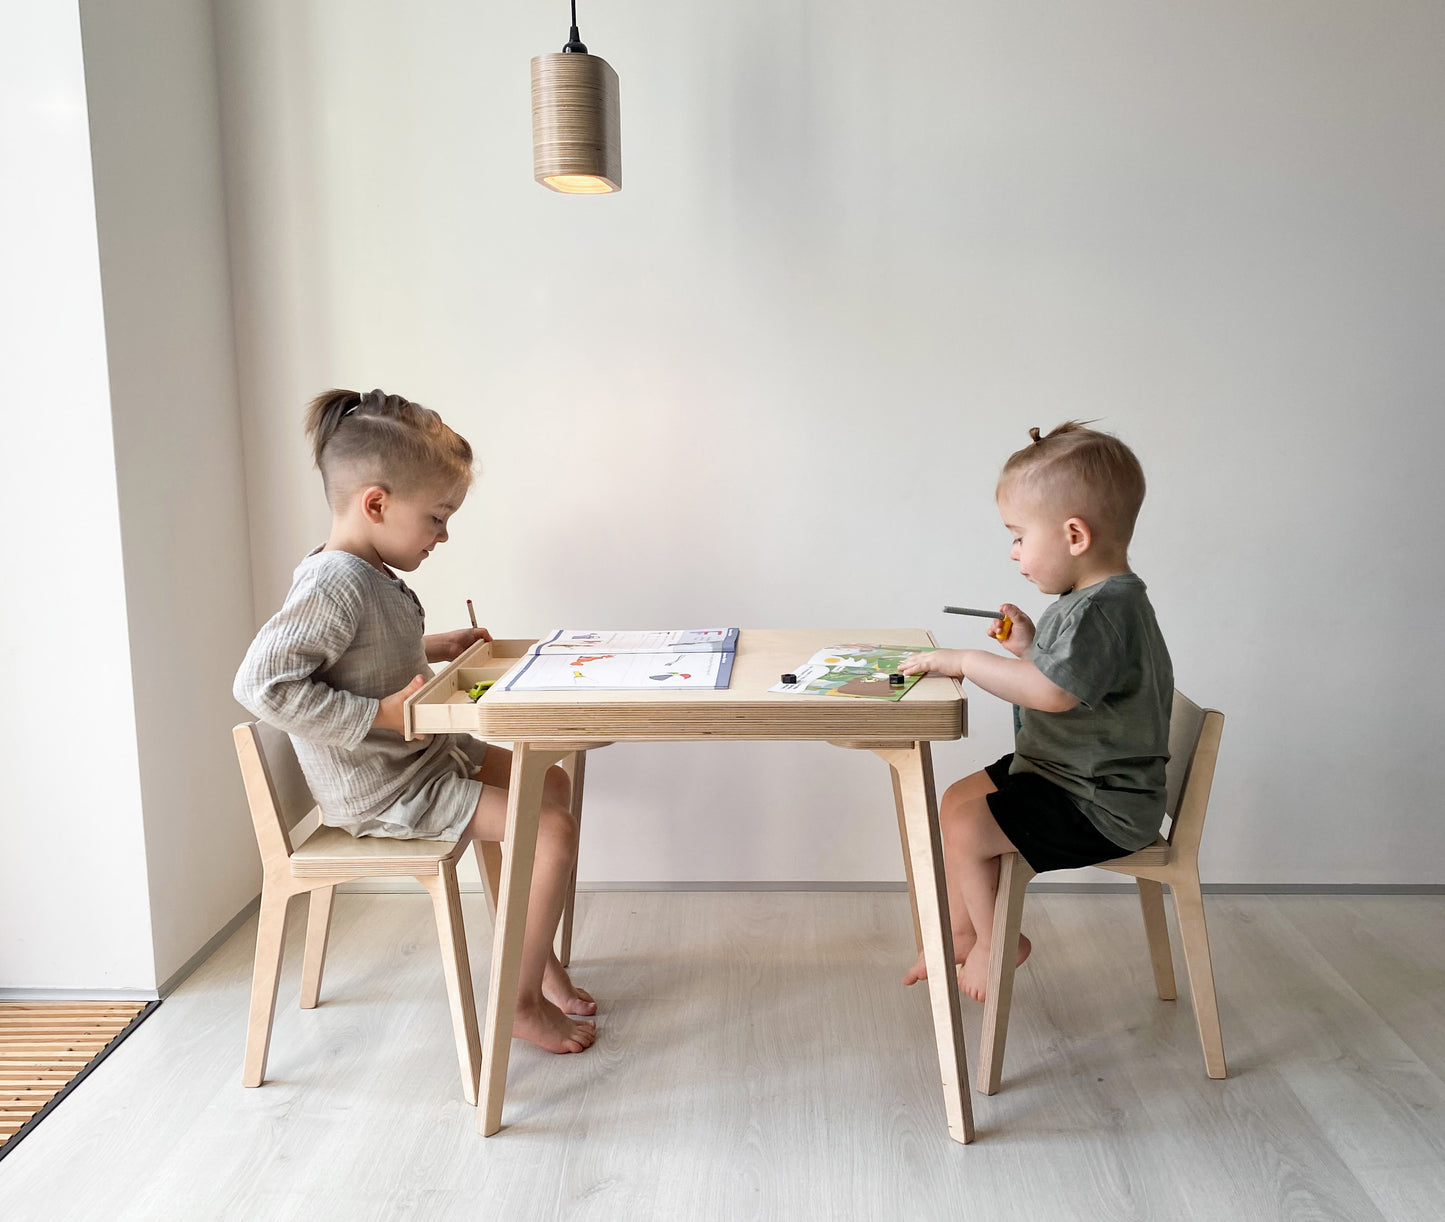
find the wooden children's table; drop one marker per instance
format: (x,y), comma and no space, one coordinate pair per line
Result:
(545,727)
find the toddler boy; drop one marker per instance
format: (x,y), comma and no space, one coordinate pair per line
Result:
(1092,687)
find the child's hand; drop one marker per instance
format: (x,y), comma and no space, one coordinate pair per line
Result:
(935,661)
(1021,630)
(448,646)
(388,716)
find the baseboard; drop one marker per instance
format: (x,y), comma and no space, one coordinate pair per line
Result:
(406,886)
(398,886)
(178,977)
(78,995)
(166,988)
(1319,888)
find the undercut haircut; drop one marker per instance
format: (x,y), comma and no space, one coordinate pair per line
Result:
(1079,472)
(375,438)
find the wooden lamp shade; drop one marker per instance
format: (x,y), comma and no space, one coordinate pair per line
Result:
(576,124)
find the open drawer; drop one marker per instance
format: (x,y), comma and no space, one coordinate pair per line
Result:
(442,706)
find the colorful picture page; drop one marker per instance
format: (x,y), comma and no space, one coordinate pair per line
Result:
(854,670)
(576,661)
(674,640)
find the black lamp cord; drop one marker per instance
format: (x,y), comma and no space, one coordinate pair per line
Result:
(575,43)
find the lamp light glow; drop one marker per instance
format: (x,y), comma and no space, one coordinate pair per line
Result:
(576,121)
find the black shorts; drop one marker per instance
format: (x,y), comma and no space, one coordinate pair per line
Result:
(1043,823)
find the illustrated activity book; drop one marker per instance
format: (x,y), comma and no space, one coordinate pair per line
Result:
(677,640)
(853,670)
(571,660)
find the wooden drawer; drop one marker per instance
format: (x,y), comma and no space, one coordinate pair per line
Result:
(443,706)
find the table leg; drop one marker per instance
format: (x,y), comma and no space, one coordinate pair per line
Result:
(913,771)
(907,860)
(519,849)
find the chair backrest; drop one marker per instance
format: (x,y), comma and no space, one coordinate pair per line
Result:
(1193,748)
(275,787)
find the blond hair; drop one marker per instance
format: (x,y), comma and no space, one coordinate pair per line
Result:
(383,439)
(1079,472)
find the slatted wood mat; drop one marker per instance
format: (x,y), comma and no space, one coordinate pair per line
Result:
(45,1045)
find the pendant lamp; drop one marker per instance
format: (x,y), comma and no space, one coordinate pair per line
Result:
(576,125)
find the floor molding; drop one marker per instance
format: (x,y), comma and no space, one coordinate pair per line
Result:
(406,887)
(167,986)
(17,994)
(178,977)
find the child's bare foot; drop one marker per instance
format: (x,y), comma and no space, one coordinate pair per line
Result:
(557,987)
(961,947)
(973,975)
(543,1024)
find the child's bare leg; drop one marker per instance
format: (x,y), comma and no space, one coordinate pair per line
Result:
(974,786)
(558,988)
(557,985)
(538,1019)
(978,843)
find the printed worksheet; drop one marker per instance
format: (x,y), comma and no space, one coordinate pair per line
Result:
(599,671)
(675,640)
(854,670)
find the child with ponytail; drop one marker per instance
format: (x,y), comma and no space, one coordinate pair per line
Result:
(333,667)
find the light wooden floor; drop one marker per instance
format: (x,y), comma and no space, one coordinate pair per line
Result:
(759,1060)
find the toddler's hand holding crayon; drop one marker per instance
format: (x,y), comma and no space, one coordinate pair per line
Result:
(1002,625)
(448,646)
(1013,630)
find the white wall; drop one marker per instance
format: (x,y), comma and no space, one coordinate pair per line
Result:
(73,886)
(128,597)
(155,135)
(859,251)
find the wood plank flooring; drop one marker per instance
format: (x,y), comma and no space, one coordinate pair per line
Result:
(758,1059)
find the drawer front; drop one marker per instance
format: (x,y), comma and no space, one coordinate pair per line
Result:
(443,706)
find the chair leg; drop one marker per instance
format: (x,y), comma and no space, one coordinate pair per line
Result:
(1156,929)
(1189,907)
(265,976)
(489,861)
(576,767)
(456,966)
(318,926)
(1013,880)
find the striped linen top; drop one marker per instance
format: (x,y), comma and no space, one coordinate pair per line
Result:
(347,635)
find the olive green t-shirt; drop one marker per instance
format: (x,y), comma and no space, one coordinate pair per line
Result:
(1103,645)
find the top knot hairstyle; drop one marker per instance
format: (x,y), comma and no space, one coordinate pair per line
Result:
(1079,472)
(376,438)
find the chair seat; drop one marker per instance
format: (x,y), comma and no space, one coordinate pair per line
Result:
(331,851)
(1156,854)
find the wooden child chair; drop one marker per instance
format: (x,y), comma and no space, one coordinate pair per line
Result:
(1193,747)
(279,800)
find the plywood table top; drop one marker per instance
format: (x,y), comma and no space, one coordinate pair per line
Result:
(933,710)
